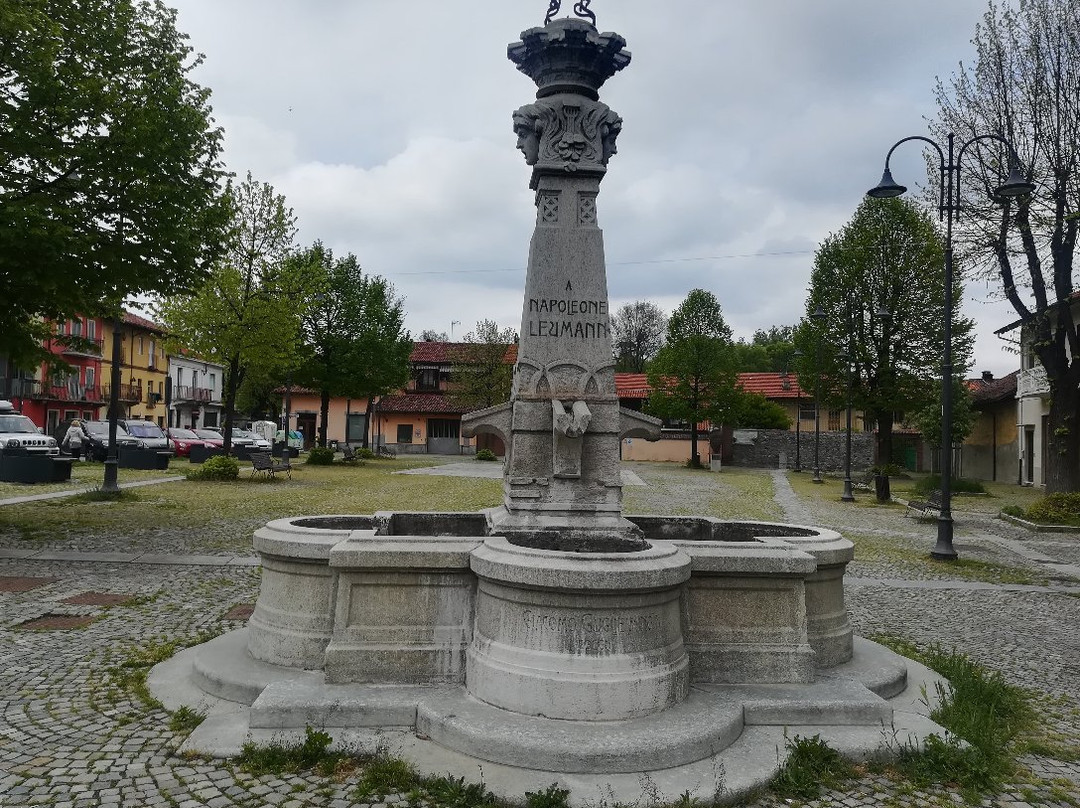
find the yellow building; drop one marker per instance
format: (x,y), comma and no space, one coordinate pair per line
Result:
(143,368)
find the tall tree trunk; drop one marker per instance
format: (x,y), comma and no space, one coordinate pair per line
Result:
(232,385)
(324,415)
(884,421)
(367,420)
(1063,434)
(695,458)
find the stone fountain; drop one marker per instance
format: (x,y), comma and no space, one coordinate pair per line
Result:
(554,639)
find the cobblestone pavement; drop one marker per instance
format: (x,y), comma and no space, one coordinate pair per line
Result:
(75,731)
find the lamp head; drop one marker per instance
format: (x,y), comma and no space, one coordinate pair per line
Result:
(1015,185)
(818,314)
(882,314)
(887,188)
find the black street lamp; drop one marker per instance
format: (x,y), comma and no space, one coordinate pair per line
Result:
(798,417)
(949,210)
(848,495)
(112,458)
(818,316)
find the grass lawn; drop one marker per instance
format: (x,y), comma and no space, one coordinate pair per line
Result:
(226,513)
(90,475)
(998,496)
(674,490)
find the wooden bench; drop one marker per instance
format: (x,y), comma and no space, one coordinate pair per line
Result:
(264,463)
(930,507)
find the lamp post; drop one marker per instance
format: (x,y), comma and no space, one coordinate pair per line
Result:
(949,209)
(818,317)
(848,495)
(798,417)
(112,457)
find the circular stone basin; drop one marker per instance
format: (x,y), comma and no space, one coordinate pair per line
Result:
(748,531)
(576,543)
(335,522)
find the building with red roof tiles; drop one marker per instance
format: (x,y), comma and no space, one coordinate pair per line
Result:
(991,451)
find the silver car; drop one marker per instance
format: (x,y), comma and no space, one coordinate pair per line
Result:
(19,435)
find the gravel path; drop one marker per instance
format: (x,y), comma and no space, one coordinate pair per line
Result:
(73,735)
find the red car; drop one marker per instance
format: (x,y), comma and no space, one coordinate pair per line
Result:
(209,437)
(183,439)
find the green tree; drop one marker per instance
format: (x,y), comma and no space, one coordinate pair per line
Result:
(1024,85)
(887,259)
(754,411)
(637,334)
(481,374)
(694,377)
(928,418)
(110,171)
(768,351)
(246,315)
(354,343)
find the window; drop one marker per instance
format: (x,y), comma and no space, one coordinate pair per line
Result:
(443,428)
(427,379)
(89,375)
(140,346)
(806,411)
(150,390)
(404,433)
(213,383)
(91,329)
(76,328)
(834,421)
(153,354)
(179,377)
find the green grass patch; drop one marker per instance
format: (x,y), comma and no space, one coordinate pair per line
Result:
(979,708)
(871,549)
(311,754)
(95,495)
(184,719)
(812,766)
(130,673)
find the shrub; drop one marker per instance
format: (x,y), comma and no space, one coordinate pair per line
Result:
(320,456)
(811,767)
(365,454)
(889,470)
(1013,510)
(1056,508)
(486,454)
(959,485)
(219,467)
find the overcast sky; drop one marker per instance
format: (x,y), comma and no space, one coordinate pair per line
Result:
(752,130)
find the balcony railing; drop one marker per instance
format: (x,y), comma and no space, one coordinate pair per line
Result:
(49,391)
(183,392)
(1032,382)
(89,347)
(129,393)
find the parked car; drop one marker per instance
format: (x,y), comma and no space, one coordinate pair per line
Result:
(183,439)
(19,435)
(244,437)
(149,434)
(96,437)
(210,437)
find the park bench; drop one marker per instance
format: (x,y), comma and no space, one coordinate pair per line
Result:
(930,507)
(349,455)
(264,463)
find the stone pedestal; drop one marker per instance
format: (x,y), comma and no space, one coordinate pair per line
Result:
(584,637)
(403,612)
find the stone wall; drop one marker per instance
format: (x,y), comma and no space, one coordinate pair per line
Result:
(775,448)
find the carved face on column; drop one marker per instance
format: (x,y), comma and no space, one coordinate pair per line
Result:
(528,132)
(609,132)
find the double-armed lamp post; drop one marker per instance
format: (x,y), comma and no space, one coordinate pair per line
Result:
(818,316)
(949,210)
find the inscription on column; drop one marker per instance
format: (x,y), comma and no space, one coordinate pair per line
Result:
(568,318)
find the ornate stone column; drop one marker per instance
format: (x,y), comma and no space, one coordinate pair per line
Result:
(563,425)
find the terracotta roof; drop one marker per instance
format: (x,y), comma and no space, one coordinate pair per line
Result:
(770,385)
(142,322)
(449,352)
(420,403)
(986,391)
